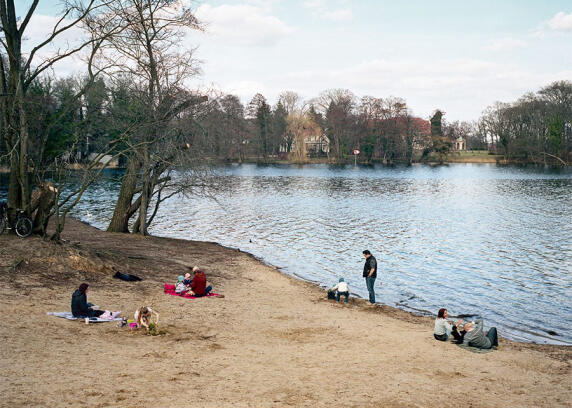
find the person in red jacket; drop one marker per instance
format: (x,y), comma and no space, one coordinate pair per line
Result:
(199,284)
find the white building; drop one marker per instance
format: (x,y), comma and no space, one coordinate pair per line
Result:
(315,145)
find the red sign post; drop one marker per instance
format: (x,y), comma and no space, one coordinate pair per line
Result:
(356,152)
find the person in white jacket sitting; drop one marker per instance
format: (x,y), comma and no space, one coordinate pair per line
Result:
(444,328)
(342,288)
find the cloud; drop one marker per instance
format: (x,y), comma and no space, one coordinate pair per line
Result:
(243,24)
(561,22)
(314,4)
(263,4)
(503,44)
(245,88)
(338,15)
(461,87)
(322,9)
(39,29)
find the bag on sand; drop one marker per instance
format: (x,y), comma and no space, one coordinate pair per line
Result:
(126,277)
(332,294)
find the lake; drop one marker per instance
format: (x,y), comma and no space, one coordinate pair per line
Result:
(478,239)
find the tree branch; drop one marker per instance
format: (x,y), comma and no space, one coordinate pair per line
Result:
(28,17)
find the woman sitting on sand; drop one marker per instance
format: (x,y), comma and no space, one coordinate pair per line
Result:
(199,285)
(143,317)
(79,305)
(444,328)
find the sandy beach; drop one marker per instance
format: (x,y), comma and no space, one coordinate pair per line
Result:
(272,341)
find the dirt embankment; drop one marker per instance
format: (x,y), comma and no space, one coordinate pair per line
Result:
(272,341)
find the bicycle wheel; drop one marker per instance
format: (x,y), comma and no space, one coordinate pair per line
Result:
(23,227)
(2,225)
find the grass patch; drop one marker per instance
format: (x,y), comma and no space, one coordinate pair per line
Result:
(154,330)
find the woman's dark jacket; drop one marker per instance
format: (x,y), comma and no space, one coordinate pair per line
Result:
(79,305)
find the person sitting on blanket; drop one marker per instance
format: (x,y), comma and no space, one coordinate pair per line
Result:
(199,285)
(144,315)
(475,337)
(188,280)
(180,286)
(444,328)
(341,289)
(79,305)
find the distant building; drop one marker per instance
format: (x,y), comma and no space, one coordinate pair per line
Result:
(106,160)
(316,145)
(459,144)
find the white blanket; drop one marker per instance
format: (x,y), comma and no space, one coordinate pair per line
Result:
(69,316)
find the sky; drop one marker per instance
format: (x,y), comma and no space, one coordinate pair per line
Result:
(457,56)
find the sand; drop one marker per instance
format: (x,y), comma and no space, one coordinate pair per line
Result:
(272,341)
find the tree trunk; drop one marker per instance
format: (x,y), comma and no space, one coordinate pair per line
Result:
(23,170)
(120,220)
(141,227)
(13,188)
(44,199)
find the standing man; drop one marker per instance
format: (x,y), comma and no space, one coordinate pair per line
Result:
(370,273)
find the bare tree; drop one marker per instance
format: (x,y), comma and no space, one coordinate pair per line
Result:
(151,55)
(19,70)
(301,126)
(291,101)
(337,106)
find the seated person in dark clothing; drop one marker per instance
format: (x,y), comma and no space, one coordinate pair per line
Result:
(475,337)
(79,305)
(199,284)
(444,328)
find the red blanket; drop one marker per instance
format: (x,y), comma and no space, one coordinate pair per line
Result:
(170,290)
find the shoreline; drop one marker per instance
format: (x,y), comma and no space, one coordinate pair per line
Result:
(485,159)
(406,309)
(273,341)
(422,313)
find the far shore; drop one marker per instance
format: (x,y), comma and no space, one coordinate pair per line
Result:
(463,157)
(272,341)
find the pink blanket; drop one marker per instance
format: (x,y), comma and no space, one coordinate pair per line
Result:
(170,290)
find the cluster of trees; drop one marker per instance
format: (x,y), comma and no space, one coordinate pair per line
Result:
(381,128)
(536,128)
(127,105)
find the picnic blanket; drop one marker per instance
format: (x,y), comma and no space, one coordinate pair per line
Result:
(170,290)
(475,349)
(69,316)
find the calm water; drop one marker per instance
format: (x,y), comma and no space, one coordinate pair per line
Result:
(476,239)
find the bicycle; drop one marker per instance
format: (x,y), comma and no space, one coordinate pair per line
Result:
(23,226)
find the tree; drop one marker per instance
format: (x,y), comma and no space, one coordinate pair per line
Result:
(301,126)
(233,126)
(150,55)
(281,138)
(537,127)
(259,113)
(290,101)
(337,106)
(441,144)
(21,72)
